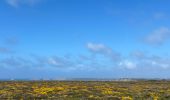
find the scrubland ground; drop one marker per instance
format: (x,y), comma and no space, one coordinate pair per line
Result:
(85,90)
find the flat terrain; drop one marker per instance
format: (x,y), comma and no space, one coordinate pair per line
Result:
(85,90)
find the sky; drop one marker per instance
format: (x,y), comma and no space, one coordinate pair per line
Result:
(58,39)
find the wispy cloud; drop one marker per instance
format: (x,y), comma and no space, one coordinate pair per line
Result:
(59,62)
(158,36)
(135,62)
(145,60)
(17,3)
(13,3)
(4,50)
(97,48)
(156,62)
(56,63)
(138,55)
(8,43)
(127,64)
(159,15)
(11,41)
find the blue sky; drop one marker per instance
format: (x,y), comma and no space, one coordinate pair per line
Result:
(84,38)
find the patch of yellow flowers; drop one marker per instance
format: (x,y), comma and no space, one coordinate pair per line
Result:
(127,98)
(45,90)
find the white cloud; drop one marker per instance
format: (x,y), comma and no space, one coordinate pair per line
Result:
(138,55)
(159,15)
(99,48)
(144,60)
(15,62)
(11,41)
(13,3)
(4,50)
(165,66)
(58,62)
(160,62)
(158,37)
(16,3)
(128,64)
(102,49)
(53,62)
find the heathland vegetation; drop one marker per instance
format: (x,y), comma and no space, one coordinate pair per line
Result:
(85,90)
